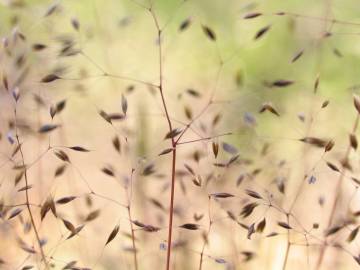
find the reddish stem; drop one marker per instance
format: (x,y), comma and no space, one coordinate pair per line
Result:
(173,143)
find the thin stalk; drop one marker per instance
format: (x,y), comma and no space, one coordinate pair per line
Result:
(173,143)
(310,124)
(288,245)
(171,214)
(32,220)
(205,236)
(326,19)
(286,255)
(133,239)
(131,224)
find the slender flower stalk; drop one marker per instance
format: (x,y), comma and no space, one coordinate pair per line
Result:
(27,197)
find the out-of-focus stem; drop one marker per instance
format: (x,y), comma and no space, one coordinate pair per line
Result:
(32,220)
(337,194)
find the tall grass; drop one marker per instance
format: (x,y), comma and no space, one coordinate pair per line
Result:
(145,135)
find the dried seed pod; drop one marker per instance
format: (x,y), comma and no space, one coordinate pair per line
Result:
(316,84)
(173,133)
(113,234)
(60,170)
(282,83)
(297,56)
(284,225)
(79,149)
(315,141)
(108,170)
(92,215)
(332,166)
(15,213)
(268,107)
(66,200)
(325,104)
(252,15)
(209,32)
(52,8)
(50,78)
(5,82)
(38,47)
(329,146)
(229,148)
(353,141)
(353,234)
(124,104)
(105,116)
(47,128)
(75,24)
(215,148)
(188,112)
(185,24)
(190,226)
(333,230)
(248,209)
(148,170)
(261,226)
(62,155)
(193,93)
(221,195)
(253,194)
(116,143)
(166,151)
(357,103)
(262,32)
(76,231)
(69,225)
(251,231)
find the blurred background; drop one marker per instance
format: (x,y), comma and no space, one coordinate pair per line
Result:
(270,83)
